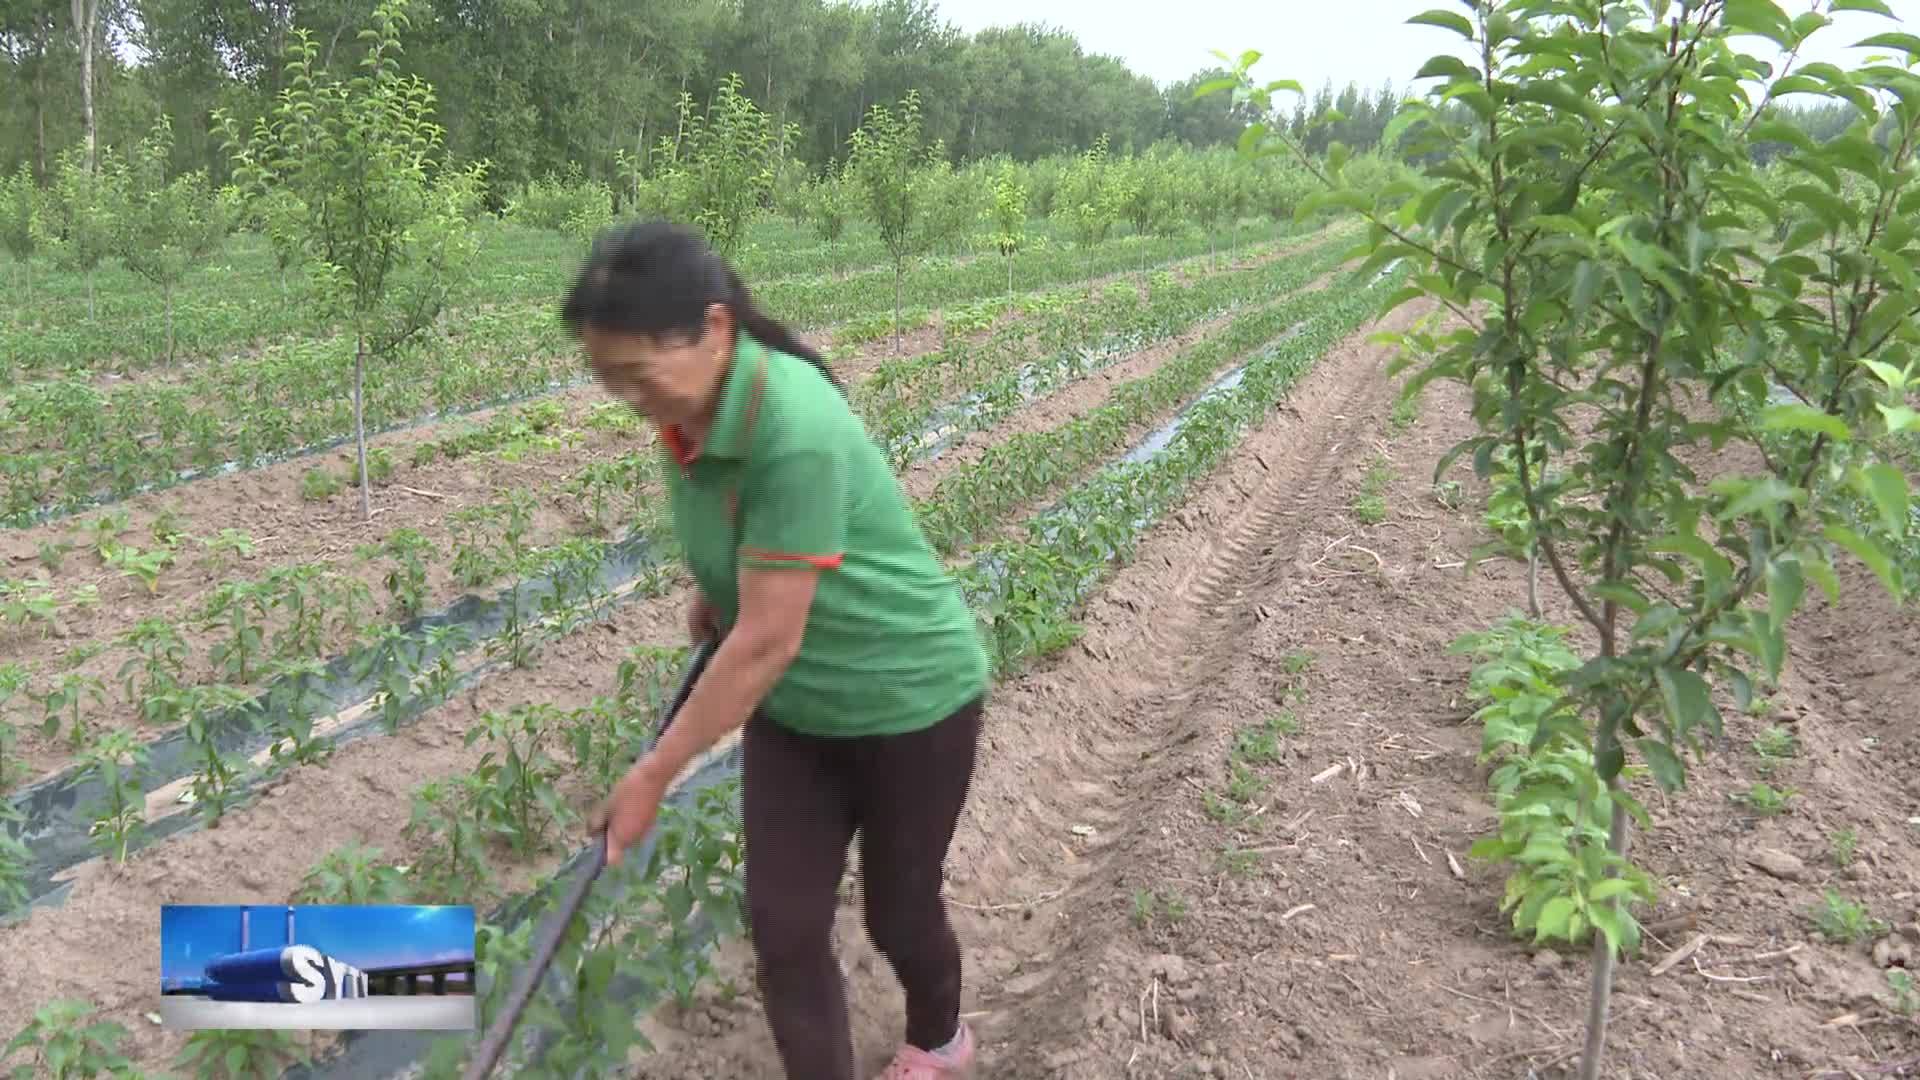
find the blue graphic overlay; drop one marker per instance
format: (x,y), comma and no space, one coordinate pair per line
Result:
(320,952)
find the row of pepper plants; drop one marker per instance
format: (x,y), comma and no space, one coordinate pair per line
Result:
(492,542)
(73,442)
(513,798)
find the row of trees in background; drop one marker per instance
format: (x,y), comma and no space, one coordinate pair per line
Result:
(128,206)
(348,179)
(536,83)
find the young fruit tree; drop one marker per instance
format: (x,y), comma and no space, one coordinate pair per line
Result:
(888,165)
(719,172)
(829,198)
(80,215)
(1711,407)
(1091,199)
(169,226)
(1009,217)
(20,210)
(386,223)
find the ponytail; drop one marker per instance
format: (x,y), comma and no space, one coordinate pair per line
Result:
(770,332)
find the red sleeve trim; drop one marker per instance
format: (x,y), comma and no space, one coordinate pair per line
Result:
(818,562)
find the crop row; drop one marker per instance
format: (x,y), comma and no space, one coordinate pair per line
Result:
(645,937)
(409,677)
(1075,335)
(513,264)
(72,443)
(491,541)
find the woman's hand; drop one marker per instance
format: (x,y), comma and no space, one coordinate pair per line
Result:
(631,809)
(700,621)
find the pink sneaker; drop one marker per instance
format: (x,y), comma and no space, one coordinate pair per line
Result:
(951,1060)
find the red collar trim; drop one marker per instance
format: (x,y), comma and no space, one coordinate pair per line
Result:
(675,443)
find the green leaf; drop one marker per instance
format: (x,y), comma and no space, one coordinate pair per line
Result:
(1403,118)
(1761,17)
(1750,496)
(1822,574)
(1687,698)
(1887,487)
(1785,586)
(1214,86)
(1742,689)
(1869,553)
(1587,278)
(1893,377)
(1554,918)
(1446,67)
(1795,416)
(1877,7)
(1446,20)
(1666,766)
(1906,43)
(1609,888)
(1899,417)
(1623,594)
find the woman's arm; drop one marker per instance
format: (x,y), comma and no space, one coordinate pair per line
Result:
(755,653)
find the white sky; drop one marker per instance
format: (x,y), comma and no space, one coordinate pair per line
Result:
(1309,41)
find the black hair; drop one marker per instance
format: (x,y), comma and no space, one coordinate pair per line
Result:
(657,278)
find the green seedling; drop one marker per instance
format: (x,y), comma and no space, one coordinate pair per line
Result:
(145,566)
(1239,863)
(119,821)
(212,791)
(1904,999)
(406,581)
(1257,745)
(1844,922)
(103,532)
(24,602)
(67,699)
(230,543)
(452,866)
(239,1054)
(1764,799)
(319,485)
(53,553)
(16,859)
(353,874)
(517,799)
(166,529)
(1774,743)
(63,1042)
(1845,842)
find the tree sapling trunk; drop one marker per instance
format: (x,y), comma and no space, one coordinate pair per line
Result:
(1600,995)
(360,422)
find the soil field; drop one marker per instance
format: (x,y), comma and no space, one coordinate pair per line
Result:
(1225,832)
(1113,927)
(265,848)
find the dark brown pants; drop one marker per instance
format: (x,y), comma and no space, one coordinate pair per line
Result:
(803,799)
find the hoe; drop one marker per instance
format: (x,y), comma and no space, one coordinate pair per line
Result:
(546,939)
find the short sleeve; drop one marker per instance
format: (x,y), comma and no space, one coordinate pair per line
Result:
(793,512)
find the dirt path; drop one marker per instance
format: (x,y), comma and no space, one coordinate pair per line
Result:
(1123,917)
(1071,755)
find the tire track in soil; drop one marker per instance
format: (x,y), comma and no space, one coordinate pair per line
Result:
(1073,752)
